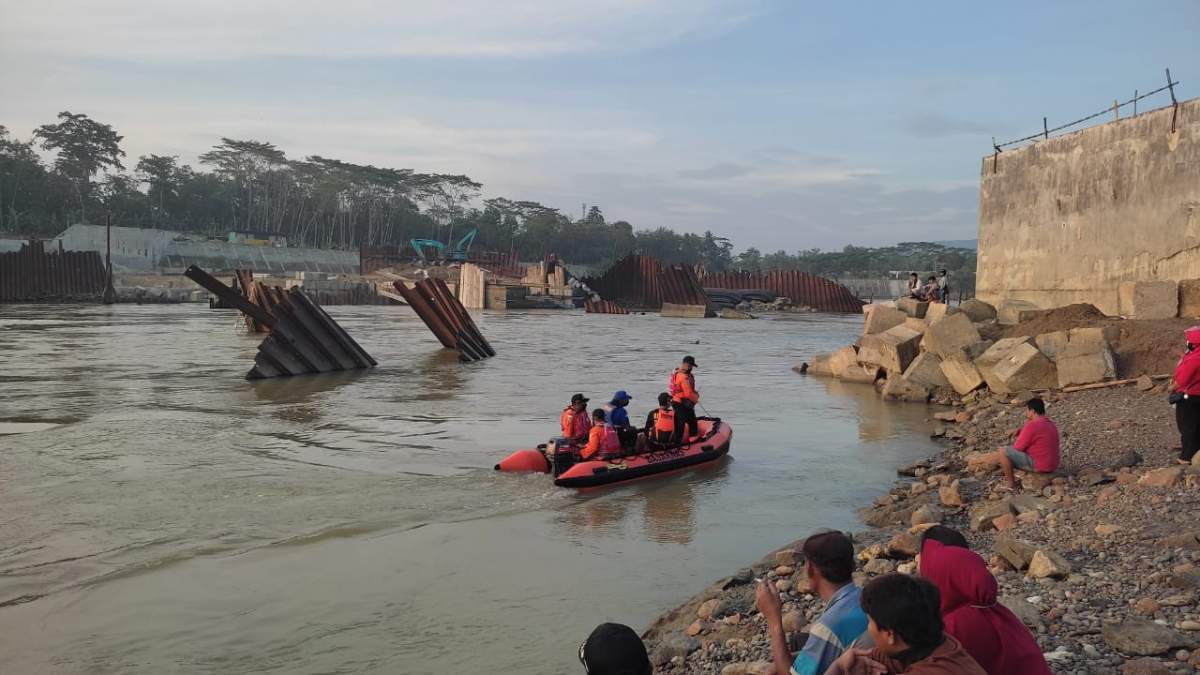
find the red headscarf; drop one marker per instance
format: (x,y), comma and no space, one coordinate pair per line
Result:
(988,630)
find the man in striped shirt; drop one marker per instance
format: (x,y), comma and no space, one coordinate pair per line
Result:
(829,564)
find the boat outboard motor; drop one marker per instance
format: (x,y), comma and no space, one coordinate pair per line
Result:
(561,455)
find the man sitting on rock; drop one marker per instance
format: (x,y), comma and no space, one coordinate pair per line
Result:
(829,564)
(1037,445)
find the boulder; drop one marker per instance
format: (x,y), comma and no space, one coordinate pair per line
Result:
(673,647)
(1051,344)
(918,325)
(1167,477)
(1025,503)
(1139,637)
(987,361)
(1018,553)
(926,371)
(749,668)
(892,350)
(1015,311)
(951,495)
(1085,363)
(1145,666)
(926,514)
(938,311)
(1023,368)
(821,365)
(1026,611)
(896,388)
(950,336)
(904,546)
(1048,564)
(861,373)
(978,349)
(1189,298)
(1148,299)
(878,566)
(842,360)
(880,318)
(912,307)
(984,513)
(961,374)
(977,310)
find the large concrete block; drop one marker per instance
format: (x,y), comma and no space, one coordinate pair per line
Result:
(820,365)
(1015,311)
(926,371)
(962,375)
(988,360)
(1023,368)
(912,307)
(842,359)
(918,325)
(861,373)
(950,335)
(938,311)
(978,310)
(1189,298)
(1085,359)
(881,318)
(899,389)
(1051,344)
(892,349)
(1148,299)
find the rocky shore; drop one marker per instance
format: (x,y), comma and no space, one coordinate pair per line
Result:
(1102,561)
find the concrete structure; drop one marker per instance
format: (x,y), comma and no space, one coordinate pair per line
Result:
(1068,219)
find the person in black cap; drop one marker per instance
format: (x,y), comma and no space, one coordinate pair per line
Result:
(685,397)
(614,649)
(574,420)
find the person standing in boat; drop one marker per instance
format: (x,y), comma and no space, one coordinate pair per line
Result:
(684,398)
(574,420)
(660,423)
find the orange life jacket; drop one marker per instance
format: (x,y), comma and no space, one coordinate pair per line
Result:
(685,387)
(601,438)
(574,425)
(665,421)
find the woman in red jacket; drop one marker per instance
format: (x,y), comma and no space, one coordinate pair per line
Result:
(1187,397)
(988,630)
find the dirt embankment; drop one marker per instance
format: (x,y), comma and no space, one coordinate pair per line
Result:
(1117,578)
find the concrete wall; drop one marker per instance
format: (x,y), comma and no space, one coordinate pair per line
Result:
(1068,219)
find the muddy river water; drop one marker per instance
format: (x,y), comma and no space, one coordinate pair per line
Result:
(162,514)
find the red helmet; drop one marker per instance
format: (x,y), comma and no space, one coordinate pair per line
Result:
(1192,335)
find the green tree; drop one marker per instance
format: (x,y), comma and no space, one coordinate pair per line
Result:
(750,260)
(83,148)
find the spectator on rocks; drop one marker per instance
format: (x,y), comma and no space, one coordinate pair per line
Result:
(829,564)
(614,649)
(1187,397)
(943,286)
(988,630)
(1037,445)
(931,291)
(914,286)
(906,626)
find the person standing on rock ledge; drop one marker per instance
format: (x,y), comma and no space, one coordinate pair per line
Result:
(1037,445)
(1186,397)
(829,564)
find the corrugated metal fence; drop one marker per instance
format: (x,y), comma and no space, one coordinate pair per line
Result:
(643,282)
(32,274)
(802,288)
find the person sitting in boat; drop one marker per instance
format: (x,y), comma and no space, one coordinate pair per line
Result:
(616,414)
(602,440)
(660,423)
(574,420)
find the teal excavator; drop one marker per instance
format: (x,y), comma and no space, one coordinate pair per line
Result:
(456,254)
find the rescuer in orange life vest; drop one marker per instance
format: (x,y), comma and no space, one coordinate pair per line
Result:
(660,423)
(684,398)
(574,420)
(602,438)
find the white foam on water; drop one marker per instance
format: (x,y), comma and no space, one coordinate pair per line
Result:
(25,427)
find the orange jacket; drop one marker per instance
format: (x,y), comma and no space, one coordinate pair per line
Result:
(685,387)
(595,442)
(575,425)
(664,421)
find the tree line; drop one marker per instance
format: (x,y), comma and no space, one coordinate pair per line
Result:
(253,186)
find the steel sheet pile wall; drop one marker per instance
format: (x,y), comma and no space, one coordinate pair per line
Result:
(304,339)
(603,307)
(678,285)
(632,281)
(31,274)
(432,300)
(802,288)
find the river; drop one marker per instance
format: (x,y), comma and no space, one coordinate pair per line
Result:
(162,514)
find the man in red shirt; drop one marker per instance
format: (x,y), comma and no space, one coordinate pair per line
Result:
(1036,447)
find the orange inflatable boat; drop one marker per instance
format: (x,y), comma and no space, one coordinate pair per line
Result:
(569,471)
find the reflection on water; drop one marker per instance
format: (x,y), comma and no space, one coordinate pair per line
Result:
(182,519)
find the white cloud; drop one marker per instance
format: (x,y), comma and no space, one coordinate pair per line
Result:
(224,29)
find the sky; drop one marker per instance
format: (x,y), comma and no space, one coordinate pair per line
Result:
(780,124)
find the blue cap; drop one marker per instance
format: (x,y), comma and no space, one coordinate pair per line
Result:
(622,395)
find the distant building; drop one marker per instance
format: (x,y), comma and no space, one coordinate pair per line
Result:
(251,238)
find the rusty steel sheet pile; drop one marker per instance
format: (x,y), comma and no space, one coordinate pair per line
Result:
(32,274)
(303,338)
(446,317)
(802,288)
(603,307)
(678,285)
(632,281)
